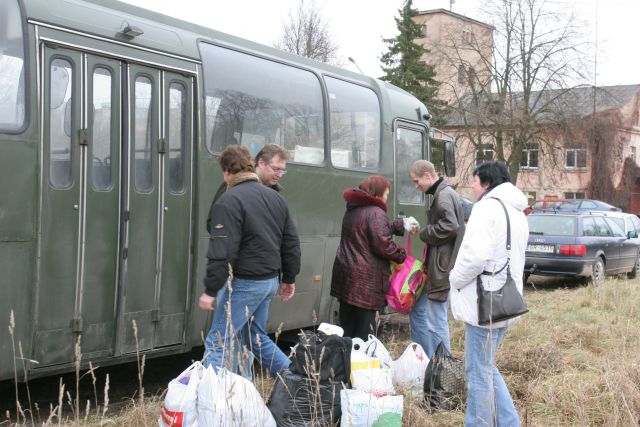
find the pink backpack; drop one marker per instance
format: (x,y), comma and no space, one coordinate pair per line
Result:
(406,285)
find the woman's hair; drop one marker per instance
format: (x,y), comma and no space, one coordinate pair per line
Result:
(493,173)
(235,159)
(375,185)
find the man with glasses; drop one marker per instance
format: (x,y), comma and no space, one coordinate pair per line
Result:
(271,164)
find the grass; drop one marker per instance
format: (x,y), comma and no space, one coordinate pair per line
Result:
(573,360)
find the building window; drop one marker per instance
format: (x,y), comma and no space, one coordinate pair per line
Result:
(575,195)
(632,153)
(484,154)
(466,37)
(529,157)
(576,158)
(423,28)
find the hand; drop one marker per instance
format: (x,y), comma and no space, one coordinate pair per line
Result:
(396,267)
(414,229)
(207,303)
(286,291)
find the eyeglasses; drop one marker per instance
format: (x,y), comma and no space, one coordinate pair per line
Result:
(277,170)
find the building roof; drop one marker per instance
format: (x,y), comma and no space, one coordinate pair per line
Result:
(455,15)
(576,102)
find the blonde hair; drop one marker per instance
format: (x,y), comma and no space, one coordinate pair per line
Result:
(420,167)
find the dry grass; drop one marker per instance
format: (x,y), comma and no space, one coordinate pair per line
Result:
(574,360)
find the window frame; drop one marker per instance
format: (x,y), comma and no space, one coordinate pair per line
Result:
(484,148)
(575,151)
(529,149)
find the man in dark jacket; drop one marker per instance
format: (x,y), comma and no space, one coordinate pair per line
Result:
(252,233)
(443,236)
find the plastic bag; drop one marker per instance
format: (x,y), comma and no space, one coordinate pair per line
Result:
(375,348)
(362,409)
(408,370)
(300,401)
(321,356)
(179,408)
(227,399)
(409,222)
(444,381)
(378,382)
(360,361)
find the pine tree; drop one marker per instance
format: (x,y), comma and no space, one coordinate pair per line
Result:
(402,67)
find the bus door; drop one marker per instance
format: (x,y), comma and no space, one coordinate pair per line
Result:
(410,144)
(80,196)
(157,208)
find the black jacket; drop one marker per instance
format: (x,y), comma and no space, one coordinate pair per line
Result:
(253,231)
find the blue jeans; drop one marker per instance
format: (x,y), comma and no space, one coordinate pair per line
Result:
(429,324)
(237,333)
(488,400)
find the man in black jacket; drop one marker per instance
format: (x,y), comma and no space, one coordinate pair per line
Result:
(253,234)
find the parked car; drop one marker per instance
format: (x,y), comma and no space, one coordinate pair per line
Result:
(467,205)
(547,203)
(583,244)
(587,205)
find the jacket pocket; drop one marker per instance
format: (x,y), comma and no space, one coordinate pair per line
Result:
(218,247)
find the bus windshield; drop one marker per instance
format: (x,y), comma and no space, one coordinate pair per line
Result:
(12,87)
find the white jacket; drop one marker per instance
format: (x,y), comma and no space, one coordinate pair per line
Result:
(484,248)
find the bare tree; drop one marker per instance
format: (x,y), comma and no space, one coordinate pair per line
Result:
(307,34)
(515,94)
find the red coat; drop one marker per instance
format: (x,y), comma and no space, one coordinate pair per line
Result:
(361,268)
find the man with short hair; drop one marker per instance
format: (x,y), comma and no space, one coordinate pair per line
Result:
(271,165)
(253,232)
(443,236)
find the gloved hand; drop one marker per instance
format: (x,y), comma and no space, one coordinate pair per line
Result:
(410,223)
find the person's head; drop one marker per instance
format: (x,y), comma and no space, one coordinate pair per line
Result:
(423,175)
(271,164)
(489,175)
(376,186)
(235,159)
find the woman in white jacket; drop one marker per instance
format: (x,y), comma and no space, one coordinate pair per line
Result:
(484,249)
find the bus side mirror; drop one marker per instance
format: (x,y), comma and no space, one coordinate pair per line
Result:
(449,158)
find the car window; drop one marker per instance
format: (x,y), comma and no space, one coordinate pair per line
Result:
(552,225)
(616,225)
(589,227)
(636,224)
(588,205)
(602,228)
(629,224)
(570,205)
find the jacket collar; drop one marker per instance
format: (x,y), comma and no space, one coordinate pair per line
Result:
(240,177)
(435,186)
(356,198)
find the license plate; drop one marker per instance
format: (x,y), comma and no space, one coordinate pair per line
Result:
(547,249)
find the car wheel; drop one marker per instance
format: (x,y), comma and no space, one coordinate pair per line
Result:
(636,269)
(597,271)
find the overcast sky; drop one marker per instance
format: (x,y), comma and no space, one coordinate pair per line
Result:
(358,26)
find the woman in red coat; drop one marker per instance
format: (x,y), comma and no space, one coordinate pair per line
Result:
(361,269)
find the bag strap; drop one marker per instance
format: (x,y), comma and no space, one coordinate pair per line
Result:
(508,244)
(407,244)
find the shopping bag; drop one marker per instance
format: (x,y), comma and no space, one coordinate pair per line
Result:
(227,399)
(375,348)
(444,380)
(406,284)
(321,356)
(378,382)
(362,409)
(408,370)
(361,361)
(179,406)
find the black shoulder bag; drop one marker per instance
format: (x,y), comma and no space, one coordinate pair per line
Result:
(506,302)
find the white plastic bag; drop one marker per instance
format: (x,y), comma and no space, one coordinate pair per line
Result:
(179,407)
(375,348)
(409,222)
(227,399)
(378,382)
(361,409)
(408,370)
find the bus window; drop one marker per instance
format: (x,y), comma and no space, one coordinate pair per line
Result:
(253,101)
(60,112)
(102,136)
(177,117)
(409,148)
(12,87)
(355,125)
(143,180)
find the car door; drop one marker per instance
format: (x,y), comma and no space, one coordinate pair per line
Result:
(629,246)
(610,245)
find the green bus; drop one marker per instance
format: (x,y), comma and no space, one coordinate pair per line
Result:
(112,118)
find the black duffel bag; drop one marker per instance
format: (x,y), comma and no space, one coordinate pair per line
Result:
(322,357)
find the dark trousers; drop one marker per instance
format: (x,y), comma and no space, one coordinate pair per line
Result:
(356,321)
